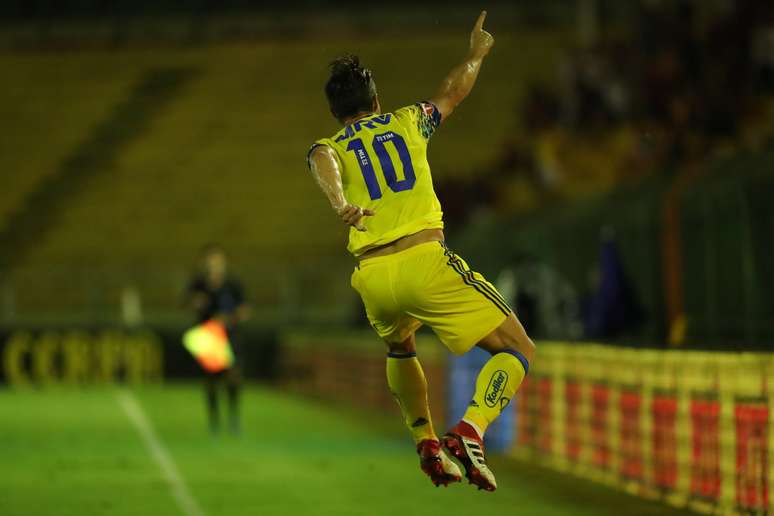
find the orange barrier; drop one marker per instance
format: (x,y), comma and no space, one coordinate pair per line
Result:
(691,428)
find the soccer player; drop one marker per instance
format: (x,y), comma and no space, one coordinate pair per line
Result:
(375,174)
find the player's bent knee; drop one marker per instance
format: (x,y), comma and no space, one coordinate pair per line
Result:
(406,347)
(510,336)
(524,345)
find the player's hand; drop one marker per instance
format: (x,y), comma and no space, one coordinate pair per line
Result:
(353,216)
(481,41)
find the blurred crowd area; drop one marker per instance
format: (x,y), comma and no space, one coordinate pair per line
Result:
(677,85)
(159,121)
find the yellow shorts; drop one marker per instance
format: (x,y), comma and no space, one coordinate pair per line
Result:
(429,284)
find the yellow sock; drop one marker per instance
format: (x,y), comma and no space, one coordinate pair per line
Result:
(408,384)
(496,384)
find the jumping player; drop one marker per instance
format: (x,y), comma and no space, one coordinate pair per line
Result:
(375,174)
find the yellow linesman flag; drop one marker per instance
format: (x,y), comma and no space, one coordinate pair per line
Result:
(208,343)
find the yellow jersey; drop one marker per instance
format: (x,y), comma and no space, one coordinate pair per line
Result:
(384,168)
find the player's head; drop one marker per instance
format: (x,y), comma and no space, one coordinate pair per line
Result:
(351,89)
(214,261)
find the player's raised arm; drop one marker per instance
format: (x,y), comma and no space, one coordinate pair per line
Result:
(457,85)
(325,169)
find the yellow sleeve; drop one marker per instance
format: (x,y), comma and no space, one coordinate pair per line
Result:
(423,116)
(319,143)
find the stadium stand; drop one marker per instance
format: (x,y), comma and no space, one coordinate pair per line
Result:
(224,161)
(49,104)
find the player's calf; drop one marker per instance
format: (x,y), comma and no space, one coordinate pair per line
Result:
(497,383)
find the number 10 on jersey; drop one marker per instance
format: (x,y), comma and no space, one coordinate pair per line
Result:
(367,167)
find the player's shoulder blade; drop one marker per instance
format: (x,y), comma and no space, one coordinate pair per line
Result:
(371,124)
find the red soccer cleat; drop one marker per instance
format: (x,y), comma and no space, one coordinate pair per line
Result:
(436,464)
(463,443)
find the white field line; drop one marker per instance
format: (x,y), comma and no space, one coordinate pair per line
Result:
(169,470)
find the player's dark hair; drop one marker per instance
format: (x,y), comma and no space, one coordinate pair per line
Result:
(211,248)
(350,88)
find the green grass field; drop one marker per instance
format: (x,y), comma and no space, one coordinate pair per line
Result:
(68,451)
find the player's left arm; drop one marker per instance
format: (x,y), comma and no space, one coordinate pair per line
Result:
(325,169)
(243,310)
(459,83)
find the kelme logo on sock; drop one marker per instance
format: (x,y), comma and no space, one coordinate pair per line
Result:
(495,388)
(419,422)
